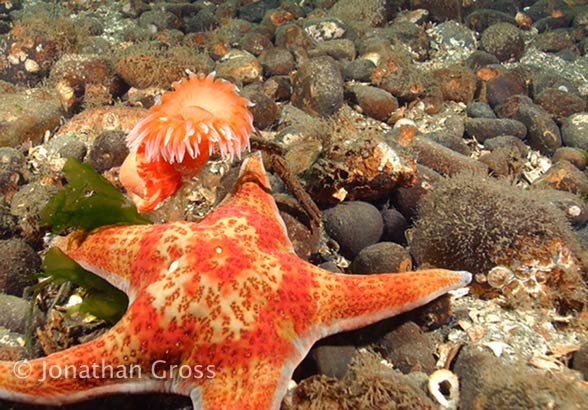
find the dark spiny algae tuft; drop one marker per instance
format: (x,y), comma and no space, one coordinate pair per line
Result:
(475,223)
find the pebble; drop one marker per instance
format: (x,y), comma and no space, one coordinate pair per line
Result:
(333,360)
(28,116)
(543,133)
(374,102)
(264,109)
(382,257)
(278,88)
(12,167)
(239,66)
(409,348)
(354,225)
(575,156)
(359,69)
(505,85)
(573,206)
(574,131)
(18,265)
(444,160)
(73,149)
(340,49)
(580,360)
(477,109)
(560,103)
(484,378)
(480,59)
(108,150)
(8,222)
(505,161)
(395,225)
(484,128)
(449,140)
(29,200)
(292,37)
(317,87)
(255,42)
(407,200)
(276,61)
(506,141)
(457,83)
(480,20)
(503,40)
(564,176)
(15,313)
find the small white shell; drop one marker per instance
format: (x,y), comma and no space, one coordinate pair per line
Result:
(444,377)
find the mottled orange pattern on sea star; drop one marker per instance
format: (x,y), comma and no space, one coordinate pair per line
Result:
(223,308)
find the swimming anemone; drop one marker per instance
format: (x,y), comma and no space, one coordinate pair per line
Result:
(179,134)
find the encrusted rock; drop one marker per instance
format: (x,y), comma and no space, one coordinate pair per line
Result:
(318,87)
(28,116)
(564,176)
(575,131)
(504,40)
(366,169)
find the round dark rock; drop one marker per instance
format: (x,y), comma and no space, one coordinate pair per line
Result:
(354,225)
(382,257)
(484,128)
(374,102)
(477,109)
(395,225)
(359,69)
(456,82)
(330,266)
(12,164)
(17,266)
(575,156)
(560,103)
(264,110)
(276,61)
(410,349)
(108,150)
(554,41)
(575,131)
(333,360)
(73,149)
(503,40)
(317,87)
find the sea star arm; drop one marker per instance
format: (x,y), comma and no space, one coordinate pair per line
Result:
(251,201)
(351,301)
(113,253)
(79,373)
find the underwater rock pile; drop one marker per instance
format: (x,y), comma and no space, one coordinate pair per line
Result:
(403,133)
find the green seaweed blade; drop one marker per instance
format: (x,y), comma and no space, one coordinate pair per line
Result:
(101,300)
(88,201)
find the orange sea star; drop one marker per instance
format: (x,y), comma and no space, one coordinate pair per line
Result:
(221,310)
